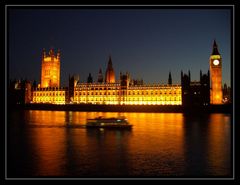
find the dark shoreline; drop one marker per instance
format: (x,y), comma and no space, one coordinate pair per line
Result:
(226,108)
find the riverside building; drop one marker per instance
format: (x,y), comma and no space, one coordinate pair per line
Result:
(126,91)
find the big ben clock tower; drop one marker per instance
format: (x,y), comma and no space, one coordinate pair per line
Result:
(215,76)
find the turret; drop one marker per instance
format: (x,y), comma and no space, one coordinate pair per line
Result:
(100,76)
(58,54)
(89,79)
(170,78)
(43,53)
(110,76)
(51,53)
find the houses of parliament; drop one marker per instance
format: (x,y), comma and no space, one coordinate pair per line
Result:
(125,91)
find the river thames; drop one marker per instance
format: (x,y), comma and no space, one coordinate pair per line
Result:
(41,144)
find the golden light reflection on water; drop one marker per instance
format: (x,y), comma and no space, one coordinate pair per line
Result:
(218,142)
(49,151)
(159,137)
(38,117)
(158,144)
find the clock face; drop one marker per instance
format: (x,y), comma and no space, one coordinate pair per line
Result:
(215,62)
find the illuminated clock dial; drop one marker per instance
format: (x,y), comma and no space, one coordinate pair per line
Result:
(216,62)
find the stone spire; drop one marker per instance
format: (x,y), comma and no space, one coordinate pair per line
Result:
(110,67)
(100,76)
(215,48)
(110,76)
(170,78)
(89,79)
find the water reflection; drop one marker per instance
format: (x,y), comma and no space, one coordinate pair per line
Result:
(50,118)
(109,149)
(218,144)
(159,144)
(207,145)
(49,149)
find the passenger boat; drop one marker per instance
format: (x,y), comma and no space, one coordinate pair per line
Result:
(100,122)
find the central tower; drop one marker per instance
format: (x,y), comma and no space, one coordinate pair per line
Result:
(50,73)
(215,63)
(110,76)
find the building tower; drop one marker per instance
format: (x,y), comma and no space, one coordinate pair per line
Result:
(90,78)
(73,80)
(215,63)
(100,76)
(50,72)
(110,76)
(204,88)
(124,84)
(185,83)
(169,79)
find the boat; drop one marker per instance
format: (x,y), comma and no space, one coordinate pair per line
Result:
(100,122)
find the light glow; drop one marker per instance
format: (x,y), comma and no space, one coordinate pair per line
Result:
(216,80)
(216,62)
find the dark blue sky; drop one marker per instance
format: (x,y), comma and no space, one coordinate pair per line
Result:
(148,43)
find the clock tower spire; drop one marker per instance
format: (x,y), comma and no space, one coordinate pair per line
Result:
(215,63)
(215,48)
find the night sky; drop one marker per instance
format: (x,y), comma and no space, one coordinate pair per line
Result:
(148,43)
